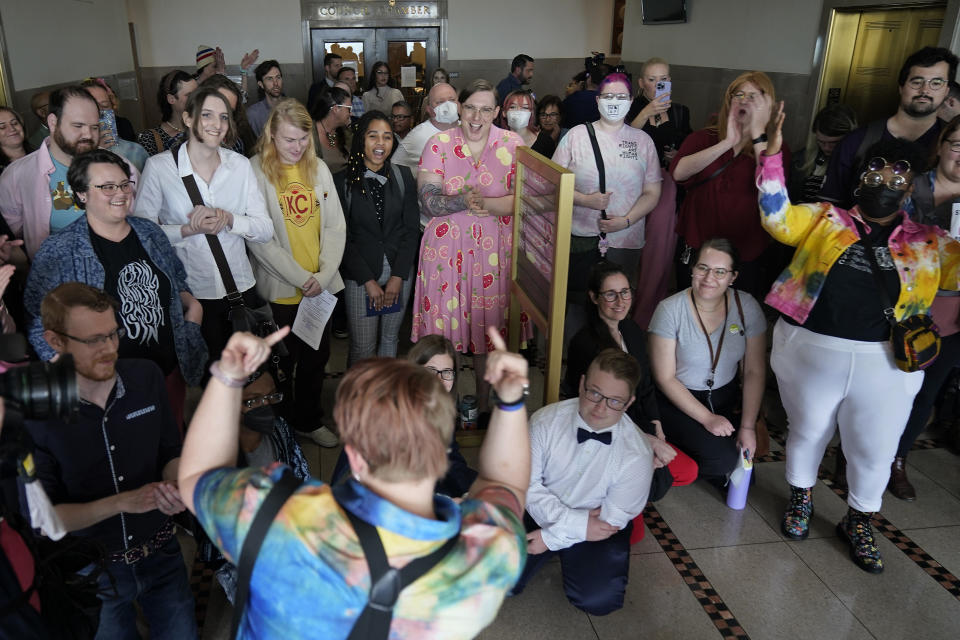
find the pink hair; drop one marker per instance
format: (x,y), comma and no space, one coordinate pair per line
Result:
(614,77)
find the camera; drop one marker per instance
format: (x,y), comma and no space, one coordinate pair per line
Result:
(34,390)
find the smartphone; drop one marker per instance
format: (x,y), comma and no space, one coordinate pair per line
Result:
(108,129)
(663,86)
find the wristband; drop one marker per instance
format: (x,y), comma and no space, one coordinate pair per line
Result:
(512,407)
(761,138)
(233,383)
(628,221)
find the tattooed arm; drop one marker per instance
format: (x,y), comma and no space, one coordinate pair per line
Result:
(435,204)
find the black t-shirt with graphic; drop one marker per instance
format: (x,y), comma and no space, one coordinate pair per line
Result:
(143,292)
(850,305)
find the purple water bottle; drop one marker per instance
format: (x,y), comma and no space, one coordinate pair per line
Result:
(739,483)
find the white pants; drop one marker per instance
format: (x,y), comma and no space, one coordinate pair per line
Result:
(827,382)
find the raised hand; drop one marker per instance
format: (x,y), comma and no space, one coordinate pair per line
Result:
(506,371)
(245,352)
(775,129)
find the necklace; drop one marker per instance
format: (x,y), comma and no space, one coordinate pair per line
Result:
(173,126)
(714,357)
(331,135)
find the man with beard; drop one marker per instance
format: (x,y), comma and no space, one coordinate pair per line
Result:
(923,81)
(270,82)
(35,197)
(111,473)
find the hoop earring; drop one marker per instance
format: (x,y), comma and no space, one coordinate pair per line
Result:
(856,192)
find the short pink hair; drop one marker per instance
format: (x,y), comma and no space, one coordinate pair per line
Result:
(612,78)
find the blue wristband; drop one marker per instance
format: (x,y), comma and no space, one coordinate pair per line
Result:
(516,406)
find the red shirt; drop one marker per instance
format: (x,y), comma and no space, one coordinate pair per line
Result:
(725,206)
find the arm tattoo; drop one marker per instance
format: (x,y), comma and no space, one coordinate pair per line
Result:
(435,204)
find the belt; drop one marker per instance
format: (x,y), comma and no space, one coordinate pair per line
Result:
(138,552)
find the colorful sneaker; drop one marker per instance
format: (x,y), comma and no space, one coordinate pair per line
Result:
(796,519)
(856,529)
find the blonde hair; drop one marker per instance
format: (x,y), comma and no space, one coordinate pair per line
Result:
(398,416)
(763,83)
(651,62)
(289,111)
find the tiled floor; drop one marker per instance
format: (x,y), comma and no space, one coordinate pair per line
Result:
(732,574)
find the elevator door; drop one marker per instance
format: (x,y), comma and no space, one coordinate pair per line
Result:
(414,48)
(864,52)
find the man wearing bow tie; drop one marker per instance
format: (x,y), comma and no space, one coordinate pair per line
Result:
(590,472)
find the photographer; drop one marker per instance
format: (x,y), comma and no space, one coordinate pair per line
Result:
(396,420)
(111,473)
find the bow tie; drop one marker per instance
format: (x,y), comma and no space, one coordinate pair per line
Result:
(372,175)
(583,435)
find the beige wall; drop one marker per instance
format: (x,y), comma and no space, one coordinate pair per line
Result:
(773,35)
(57,41)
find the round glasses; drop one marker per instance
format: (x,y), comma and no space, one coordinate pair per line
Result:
(259,401)
(874,178)
(611,295)
(703,271)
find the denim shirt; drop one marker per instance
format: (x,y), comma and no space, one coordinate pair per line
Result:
(69,257)
(925,256)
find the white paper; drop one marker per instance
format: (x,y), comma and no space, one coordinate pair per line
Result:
(955,221)
(408,76)
(312,317)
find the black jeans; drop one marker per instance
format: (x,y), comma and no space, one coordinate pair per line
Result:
(716,455)
(303,369)
(934,377)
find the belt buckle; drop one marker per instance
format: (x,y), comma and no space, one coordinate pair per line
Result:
(133,555)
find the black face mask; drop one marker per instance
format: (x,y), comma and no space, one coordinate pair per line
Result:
(880,201)
(260,419)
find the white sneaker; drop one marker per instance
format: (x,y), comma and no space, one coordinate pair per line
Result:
(323,437)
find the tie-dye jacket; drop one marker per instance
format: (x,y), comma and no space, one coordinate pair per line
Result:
(925,256)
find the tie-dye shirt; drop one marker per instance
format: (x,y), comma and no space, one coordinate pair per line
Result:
(312,581)
(926,258)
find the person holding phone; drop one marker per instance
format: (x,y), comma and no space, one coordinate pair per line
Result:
(668,124)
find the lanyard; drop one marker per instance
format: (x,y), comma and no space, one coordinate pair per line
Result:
(714,357)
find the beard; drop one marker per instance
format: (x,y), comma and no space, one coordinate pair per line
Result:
(918,109)
(97,370)
(73,148)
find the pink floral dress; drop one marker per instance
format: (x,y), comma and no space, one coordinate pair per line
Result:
(463,279)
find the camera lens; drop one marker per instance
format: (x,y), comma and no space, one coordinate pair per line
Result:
(42,390)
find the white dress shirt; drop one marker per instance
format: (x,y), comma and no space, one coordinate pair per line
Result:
(409,151)
(162,198)
(569,479)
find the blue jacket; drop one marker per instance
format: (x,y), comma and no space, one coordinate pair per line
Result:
(68,256)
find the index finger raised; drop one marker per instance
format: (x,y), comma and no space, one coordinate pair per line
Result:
(496,339)
(277,336)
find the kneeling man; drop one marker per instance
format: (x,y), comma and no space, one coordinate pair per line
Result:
(590,472)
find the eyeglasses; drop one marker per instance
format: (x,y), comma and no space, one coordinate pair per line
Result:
(595,397)
(110,188)
(383,72)
(610,295)
(874,178)
(614,96)
(344,106)
(703,271)
(550,116)
(444,374)
(742,96)
(485,112)
(935,84)
(259,401)
(954,144)
(95,341)
(400,116)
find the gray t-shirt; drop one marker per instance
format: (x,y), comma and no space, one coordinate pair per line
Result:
(675,320)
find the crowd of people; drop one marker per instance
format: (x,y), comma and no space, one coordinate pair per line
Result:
(138,255)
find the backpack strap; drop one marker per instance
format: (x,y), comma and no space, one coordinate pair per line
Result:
(386,582)
(276,498)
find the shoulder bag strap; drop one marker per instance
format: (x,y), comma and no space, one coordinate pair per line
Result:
(386,581)
(601,174)
(269,509)
(743,320)
(234,297)
(158,141)
(888,310)
(713,175)
(398,176)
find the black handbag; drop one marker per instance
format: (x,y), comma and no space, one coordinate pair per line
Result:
(916,339)
(256,319)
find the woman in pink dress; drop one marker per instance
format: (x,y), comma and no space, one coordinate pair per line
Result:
(466,187)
